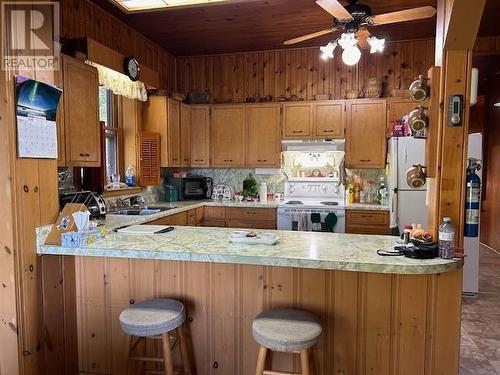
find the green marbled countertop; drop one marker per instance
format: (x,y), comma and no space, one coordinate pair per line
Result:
(332,251)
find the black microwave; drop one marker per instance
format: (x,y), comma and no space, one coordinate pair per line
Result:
(192,187)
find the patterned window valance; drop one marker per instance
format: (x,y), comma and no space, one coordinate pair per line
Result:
(119,83)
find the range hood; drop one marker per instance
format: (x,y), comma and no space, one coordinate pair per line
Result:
(313,144)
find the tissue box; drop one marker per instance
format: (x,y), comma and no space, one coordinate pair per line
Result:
(80,239)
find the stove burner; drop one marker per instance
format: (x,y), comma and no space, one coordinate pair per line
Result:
(330,203)
(294,202)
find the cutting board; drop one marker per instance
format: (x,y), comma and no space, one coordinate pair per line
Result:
(142,229)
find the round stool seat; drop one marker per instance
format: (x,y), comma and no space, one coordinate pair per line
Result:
(152,317)
(286,330)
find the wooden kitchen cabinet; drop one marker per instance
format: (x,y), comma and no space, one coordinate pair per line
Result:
(174,133)
(397,108)
(185,133)
(237,217)
(82,130)
(176,219)
(200,135)
(228,136)
(367,222)
(298,120)
(365,133)
(162,115)
(263,143)
(329,119)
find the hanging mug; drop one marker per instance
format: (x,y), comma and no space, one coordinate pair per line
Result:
(415,176)
(418,119)
(419,90)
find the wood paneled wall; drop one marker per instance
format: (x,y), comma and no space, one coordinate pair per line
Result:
(81,18)
(372,323)
(29,191)
(234,77)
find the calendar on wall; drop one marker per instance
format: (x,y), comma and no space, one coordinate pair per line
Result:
(36,111)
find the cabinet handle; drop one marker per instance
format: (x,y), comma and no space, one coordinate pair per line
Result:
(199,159)
(251,212)
(186,159)
(261,160)
(215,364)
(228,160)
(85,155)
(297,131)
(365,160)
(327,130)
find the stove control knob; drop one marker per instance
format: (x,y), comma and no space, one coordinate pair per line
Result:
(336,189)
(324,187)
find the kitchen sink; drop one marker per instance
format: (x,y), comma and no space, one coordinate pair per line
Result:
(143,211)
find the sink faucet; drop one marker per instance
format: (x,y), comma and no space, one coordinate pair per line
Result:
(131,200)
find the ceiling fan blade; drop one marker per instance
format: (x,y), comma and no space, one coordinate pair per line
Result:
(308,36)
(335,9)
(402,15)
(363,35)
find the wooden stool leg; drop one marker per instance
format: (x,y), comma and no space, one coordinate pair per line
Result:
(304,362)
(129,353)
(167,354)
(184,352)
(261,360)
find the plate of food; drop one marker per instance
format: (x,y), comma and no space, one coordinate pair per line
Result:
(253,238)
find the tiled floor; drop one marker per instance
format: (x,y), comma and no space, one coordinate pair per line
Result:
(481,321)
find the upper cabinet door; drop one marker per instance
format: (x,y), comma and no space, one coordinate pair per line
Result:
(263,135)
(185,124)
(200,135)
(174,133)
(81,118)
(297,120)
(329,119)
(228,130)
(365,138)
(397,108)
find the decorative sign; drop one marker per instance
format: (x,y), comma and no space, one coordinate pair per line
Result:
(36,119)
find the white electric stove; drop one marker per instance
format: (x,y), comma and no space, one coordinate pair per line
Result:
(309,200)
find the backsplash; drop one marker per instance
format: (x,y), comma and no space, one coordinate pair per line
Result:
(315,163)
(234,177)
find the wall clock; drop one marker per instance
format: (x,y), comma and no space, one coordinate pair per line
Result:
(131,68)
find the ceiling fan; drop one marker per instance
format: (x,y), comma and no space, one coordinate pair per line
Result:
(353,20)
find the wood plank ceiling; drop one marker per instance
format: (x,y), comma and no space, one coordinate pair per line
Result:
(254,25)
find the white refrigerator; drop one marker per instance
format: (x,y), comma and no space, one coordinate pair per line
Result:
(470,279)
(407,205)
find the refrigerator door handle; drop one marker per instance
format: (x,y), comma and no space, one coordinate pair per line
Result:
(406,155)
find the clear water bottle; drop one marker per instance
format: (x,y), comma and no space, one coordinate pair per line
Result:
(446,239)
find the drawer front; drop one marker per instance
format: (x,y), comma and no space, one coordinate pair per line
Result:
(251,224)
(213,223)
(368,217)
(234,213)
(367,229)
(215,213)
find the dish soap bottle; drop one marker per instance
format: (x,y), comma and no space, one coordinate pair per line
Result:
(130,176)
(380,191)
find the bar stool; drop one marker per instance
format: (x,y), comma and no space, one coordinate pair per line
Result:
(285,330)
(156,319)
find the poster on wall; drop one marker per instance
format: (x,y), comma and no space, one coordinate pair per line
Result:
(36,109)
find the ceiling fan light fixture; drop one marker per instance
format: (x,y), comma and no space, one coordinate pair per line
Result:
(351,55)
(376,44)
(327,51)
(348,40)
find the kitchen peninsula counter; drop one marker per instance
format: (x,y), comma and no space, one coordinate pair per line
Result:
(374,310)
(317,250)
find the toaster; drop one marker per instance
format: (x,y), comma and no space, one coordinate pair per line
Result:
(94,201)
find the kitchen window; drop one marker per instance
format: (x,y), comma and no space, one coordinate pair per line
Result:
(109,116)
